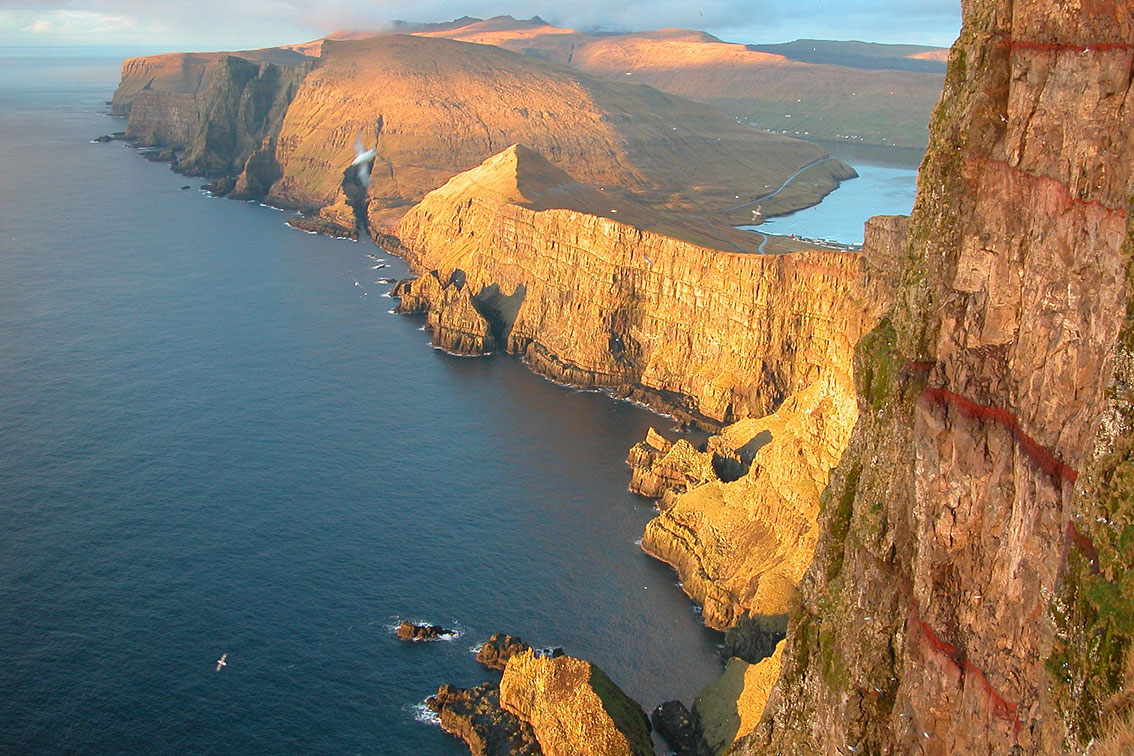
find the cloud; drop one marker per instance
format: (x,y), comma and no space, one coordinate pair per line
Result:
(223,23)
(62,24)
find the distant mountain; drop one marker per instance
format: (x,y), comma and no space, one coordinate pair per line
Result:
(868,55)
(856,92)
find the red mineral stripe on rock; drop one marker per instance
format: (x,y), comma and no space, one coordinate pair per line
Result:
(1040,455)
(1001,707)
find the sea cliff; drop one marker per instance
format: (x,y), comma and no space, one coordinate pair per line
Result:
(923,450)
(512,257)
(220,112)
(992,407)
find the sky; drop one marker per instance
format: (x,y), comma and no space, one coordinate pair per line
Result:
(243,24)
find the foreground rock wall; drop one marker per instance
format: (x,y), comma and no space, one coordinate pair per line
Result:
(922,624)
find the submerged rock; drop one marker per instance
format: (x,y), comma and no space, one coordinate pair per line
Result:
(411,632)
(475,716)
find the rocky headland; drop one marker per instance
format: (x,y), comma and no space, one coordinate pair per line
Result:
(515,256)
(283,126)
(213,114)
(544,704)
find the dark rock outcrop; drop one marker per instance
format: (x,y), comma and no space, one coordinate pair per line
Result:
(754,637)
(674,722)
(411,632)
(498,649)
(474,715)
(221,187)
(317,225)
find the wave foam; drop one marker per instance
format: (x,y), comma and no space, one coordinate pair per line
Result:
(456,630)
(423,714)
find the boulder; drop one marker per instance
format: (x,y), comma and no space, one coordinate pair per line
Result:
(408,631)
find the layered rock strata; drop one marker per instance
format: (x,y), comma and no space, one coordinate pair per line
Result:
(517,257)
(738,520)
(923,624)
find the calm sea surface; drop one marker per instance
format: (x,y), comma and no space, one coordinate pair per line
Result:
(882,188)
(212,440)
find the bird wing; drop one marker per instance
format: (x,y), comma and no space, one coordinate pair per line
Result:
(364,175)
(358,148)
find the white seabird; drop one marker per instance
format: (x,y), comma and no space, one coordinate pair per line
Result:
(363,158)
(221,662)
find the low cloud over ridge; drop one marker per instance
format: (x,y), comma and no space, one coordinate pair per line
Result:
(223,24)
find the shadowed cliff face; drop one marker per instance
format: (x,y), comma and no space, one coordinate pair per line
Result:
(922,624)
(222,111)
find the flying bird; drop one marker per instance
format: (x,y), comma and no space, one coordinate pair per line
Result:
(221,662)
(363,158)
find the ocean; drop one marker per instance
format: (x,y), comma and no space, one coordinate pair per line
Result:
(215,438)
